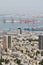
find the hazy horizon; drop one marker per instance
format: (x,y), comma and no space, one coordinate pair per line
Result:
(21,6)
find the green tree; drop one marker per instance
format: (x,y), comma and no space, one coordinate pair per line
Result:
(6,61)
(6,50)
(41,62)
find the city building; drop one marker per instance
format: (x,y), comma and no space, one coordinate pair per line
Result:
(41,42)
(7,41)
(19,31)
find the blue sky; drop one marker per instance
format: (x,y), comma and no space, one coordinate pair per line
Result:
(21,6)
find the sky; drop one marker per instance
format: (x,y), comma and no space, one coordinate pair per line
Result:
(21,6)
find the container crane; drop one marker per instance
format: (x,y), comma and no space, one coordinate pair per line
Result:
(12,20)
(4,20)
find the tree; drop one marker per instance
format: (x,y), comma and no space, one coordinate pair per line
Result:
(17,61)
(41,62)
(38,52)
(6,61)
(6,50)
